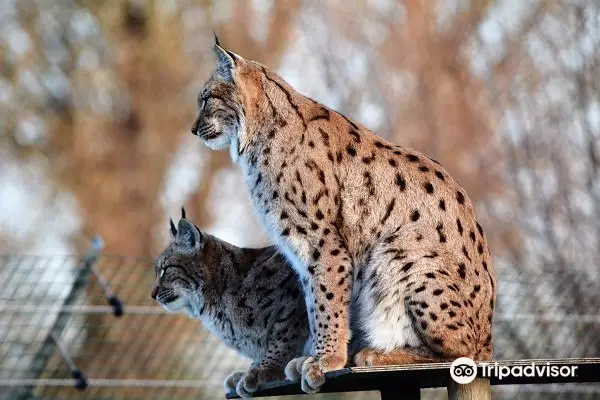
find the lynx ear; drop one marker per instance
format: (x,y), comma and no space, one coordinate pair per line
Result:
(226,61)
(188,236)
(183,213)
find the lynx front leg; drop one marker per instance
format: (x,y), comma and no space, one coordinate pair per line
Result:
(328,303)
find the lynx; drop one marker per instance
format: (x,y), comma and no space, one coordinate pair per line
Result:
(249,298)
(383,239)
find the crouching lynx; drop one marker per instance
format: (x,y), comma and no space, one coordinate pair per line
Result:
(249,298)
(382,237)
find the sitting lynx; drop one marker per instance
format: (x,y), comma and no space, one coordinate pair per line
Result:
(381,236)
(250,298)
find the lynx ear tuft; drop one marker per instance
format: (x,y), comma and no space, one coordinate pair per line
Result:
(183,213)
(173,229)
(216,39)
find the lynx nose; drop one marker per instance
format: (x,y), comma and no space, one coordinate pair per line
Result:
(195,126)
(154,292)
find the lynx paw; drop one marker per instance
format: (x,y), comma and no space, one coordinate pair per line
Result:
(293,370)
(246,383)
(314,369)
(232,380)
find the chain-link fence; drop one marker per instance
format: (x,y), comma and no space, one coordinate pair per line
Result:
(68,321)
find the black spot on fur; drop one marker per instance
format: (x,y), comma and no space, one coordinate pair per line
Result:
(355,135)
(440,175)
(407,266)
(423,168)
(428,187)
(479,228)
(400,181)
(456,304)
(459,226)
(285,232)
(466,253)
(479,248)
(392,162)
(329,296)
(442,205)
(316,254)
(412,158)
(388,211)
(419,289)
(300,230)
(351,150)
(437,292)
(319,215)
(415,215)
(460,197)
(462,270)
(440,230)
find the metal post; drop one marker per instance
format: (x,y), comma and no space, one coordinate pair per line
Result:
(48,346)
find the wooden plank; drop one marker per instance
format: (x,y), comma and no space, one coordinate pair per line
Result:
(422,376)
(479,389)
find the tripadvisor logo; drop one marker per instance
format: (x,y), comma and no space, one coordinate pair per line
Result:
(464,370)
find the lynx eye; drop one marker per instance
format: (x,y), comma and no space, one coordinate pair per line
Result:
(203,102)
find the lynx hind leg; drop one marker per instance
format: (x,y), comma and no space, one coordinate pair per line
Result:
(450,315)
(415,298)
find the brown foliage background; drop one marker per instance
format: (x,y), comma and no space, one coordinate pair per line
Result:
(97,97)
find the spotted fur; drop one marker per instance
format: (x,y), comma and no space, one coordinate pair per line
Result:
(382,237)
(249,298)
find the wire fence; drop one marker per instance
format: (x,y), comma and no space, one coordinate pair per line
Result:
(86,327)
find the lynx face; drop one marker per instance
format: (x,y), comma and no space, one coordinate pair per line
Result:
(179,277)
(220,114)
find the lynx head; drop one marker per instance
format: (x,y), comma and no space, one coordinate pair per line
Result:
(179,270)
(223,114)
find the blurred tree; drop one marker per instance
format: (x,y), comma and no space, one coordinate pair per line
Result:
(96,101)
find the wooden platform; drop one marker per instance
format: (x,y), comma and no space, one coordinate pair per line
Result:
(407,380)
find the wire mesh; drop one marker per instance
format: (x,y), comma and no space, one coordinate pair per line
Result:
(149,353)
